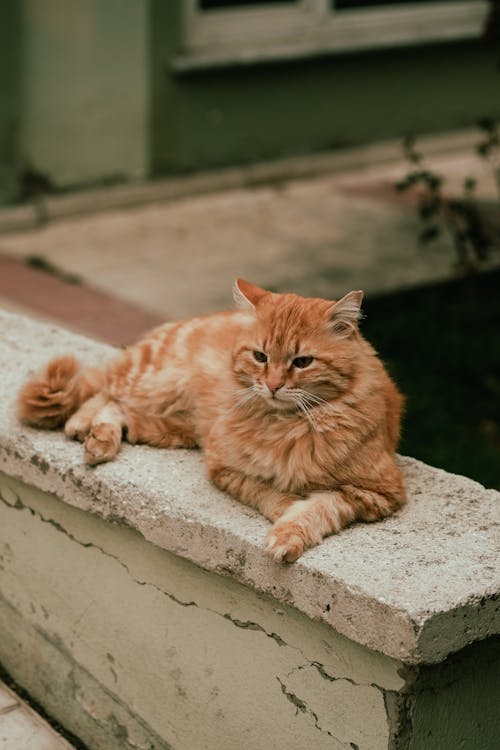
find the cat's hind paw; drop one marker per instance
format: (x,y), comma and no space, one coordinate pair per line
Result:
(77,428)
(284,544)
(102,443)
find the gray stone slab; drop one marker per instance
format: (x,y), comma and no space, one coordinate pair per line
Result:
(22,729)
(416,587)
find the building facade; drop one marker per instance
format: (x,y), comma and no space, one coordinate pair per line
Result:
(101,91)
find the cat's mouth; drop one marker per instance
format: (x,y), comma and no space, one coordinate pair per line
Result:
(279,402)
(295,400)
(282,399)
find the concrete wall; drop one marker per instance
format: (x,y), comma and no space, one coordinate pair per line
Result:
(120,640)
(129,646)
(84,93)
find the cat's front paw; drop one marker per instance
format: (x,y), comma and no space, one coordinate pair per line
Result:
(284,543)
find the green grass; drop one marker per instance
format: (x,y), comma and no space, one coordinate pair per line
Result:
(441,344)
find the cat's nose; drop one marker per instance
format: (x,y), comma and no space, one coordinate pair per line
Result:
(274,386)
(274,378)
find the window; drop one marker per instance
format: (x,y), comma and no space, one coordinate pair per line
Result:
(232,31)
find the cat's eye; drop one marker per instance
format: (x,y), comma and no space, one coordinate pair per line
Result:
(260,357)
(302,362)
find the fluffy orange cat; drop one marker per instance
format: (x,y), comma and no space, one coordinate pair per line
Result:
(295,413)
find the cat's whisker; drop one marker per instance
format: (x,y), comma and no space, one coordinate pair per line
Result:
(313,398)
(310,417)
(312,402)
(309,398)
(298,400)
(245,396)
(244,391)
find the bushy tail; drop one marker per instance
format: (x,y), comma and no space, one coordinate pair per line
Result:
(51,397)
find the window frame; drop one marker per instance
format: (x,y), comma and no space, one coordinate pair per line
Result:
(311,27)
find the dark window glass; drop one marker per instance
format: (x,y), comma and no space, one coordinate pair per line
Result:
(213,4)
(345,4)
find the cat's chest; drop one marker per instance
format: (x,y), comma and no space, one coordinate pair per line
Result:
(289,455)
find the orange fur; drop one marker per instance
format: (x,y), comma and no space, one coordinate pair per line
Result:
(295,412)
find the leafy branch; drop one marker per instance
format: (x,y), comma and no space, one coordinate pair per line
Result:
(460,218)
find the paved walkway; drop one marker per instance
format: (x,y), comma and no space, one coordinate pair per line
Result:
(321,235)
(23,729)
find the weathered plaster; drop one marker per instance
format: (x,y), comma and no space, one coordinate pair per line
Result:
(415,587)
(130,647)
(324,650)
(45,667)
(152,647)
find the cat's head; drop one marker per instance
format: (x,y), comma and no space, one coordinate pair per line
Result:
(296,352)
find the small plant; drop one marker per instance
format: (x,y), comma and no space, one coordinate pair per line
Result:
(461,218)
(489,147)
(464,219)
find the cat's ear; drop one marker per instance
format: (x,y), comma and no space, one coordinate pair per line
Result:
(246,295)
(345,314)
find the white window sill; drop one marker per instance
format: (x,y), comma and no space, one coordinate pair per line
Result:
(208,46)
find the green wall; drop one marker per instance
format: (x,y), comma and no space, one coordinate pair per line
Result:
(9,100)
(82,91)
(267,111)
(89,94)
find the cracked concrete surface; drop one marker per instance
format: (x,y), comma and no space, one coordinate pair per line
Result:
(415,587)
(143,649)
(171,651)
(11,499)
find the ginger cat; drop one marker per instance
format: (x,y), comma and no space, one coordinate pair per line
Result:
(295,413)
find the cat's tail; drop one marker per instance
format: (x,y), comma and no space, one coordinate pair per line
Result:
(50,397)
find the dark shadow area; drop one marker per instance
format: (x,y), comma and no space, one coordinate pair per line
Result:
(441,344)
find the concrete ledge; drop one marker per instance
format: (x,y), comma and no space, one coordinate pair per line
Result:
(415,587)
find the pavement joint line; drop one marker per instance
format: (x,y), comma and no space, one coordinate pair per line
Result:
(8,709)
